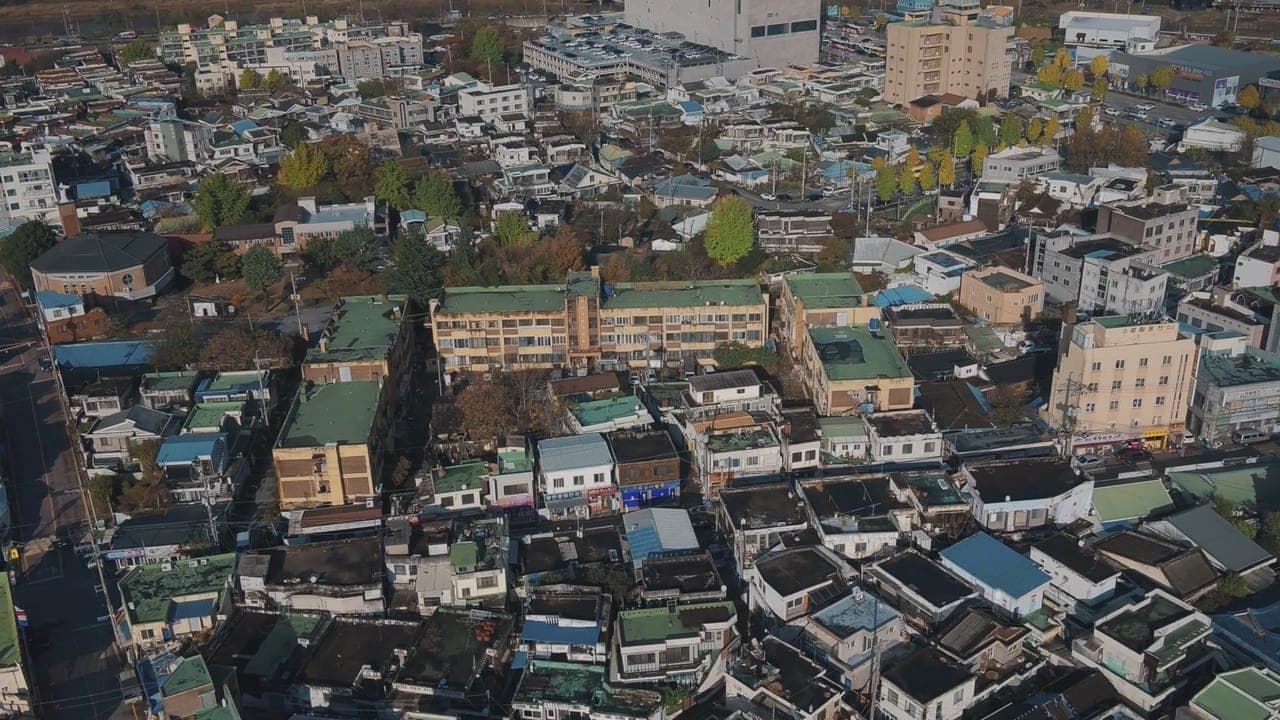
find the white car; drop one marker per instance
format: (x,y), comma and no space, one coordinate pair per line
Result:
(768,196)
(1198,106)
(1087,461)
(1111,112)
(1165,122)
(1145,106)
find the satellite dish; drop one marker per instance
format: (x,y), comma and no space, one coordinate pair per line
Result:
(231,309)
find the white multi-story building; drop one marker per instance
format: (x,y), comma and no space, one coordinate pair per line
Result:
(774,33)
(29,188)
(491,101)
(178,141)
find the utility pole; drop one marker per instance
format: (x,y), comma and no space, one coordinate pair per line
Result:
(293,284)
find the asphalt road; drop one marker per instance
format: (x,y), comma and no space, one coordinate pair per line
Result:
(73,667)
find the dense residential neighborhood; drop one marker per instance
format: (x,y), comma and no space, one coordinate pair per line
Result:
(768,359)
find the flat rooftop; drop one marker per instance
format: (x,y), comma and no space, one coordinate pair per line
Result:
(656,625)
(763,506)
(1003,482)
(331,414)
(1136,628)
(336,563)
(553,682)
(926,579)
(796,569)
(703,294)
(855,353)
(825,290)
(149,590)
(1248,368)
(1107,248)
(1005,282)
(905,422)
(365,328)
(737,441)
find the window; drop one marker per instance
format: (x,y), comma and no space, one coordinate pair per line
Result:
(757,31)
(578,480)
(469,499)
(804,26)
(1167,360)
(1120,364)
(887,450)
(1140,382)
(778,29)
(557,483)
(1142,362)
(486,582)
(1159,399)
(1137,402)
(1113,405)
(446,501)
(1097,366)
(929,446)
(598,478)
(1089,407)
(1115,385)
(753,460)
(906,448)
(891,695)
(1164,380)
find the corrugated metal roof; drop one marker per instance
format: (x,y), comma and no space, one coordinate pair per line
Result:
(656,530)
(574,451)
(995,565)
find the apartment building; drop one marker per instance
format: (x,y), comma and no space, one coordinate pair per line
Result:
(178,140)
(966,58)
(1237,387)
(330,448)
(1001,296)
(378,57)
(854,369)
(680,643)
(1102,273)
(584,323)
(1015,164)
(1168,228)
(792,231)
(1123,379)
(491,101)
(29,188)
(822,300)
(773,33)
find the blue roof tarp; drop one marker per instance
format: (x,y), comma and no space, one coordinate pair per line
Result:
(902,295)
(192,609)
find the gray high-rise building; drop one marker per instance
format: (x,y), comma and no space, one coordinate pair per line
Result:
(774,33)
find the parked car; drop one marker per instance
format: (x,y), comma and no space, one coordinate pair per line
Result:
(45,363)
(783,197)
(1165,122)
(768,196)
(1087,461)
(1198,106)
(1111,112)
(1133,455)
(1249,436)
(1144,106)
(635,378)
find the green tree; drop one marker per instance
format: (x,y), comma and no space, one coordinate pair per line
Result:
(275,81)
(977,159)
(1037,54)
(1098,65)
(928,177)
(358,247)
(1084,119)
(302,168)
(293,134)
(372,88)
(23,245)
(1072,80)
(208,261)
(1050,131)
(261,268)
(963,141)
(135,50)
(906,180)
(1099,89)
(434,195)
(417,269)
(1248,98)
(1161,77)
(250,79)
(391,185)
(1035,129)
(947,170)
(731,230)
(486,47)
(1010,130)
(984,131)
(886,183)
(220,200)
(512,229)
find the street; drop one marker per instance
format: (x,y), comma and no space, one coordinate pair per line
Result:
(74,668)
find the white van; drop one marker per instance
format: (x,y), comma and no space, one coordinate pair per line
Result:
(1249,437)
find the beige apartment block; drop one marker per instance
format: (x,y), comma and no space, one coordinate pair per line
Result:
(586,323)
(1001,296)
(812,300)
(965,56)
(1121,379)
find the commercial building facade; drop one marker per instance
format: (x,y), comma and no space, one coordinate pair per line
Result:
(774,33)
(1201,73)
(1122,379)
(968,59)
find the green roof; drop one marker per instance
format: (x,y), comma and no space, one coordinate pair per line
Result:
(654,625)
(686,294)
(508,298)
(1244,694)
(595,412)
(1191,267)
(463,556)
(510,461)
(232,380)
(1254,485)
(280,642)
(191,673)
(1263,293)
(843,427)
(579,684)
(1114,321)
(169,381)
(365,329)
(983,337)
(825,290)
(10,654)
(1130,501)
(456,478)
(853,353)
(149,590)
(333,414)
(210,414)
